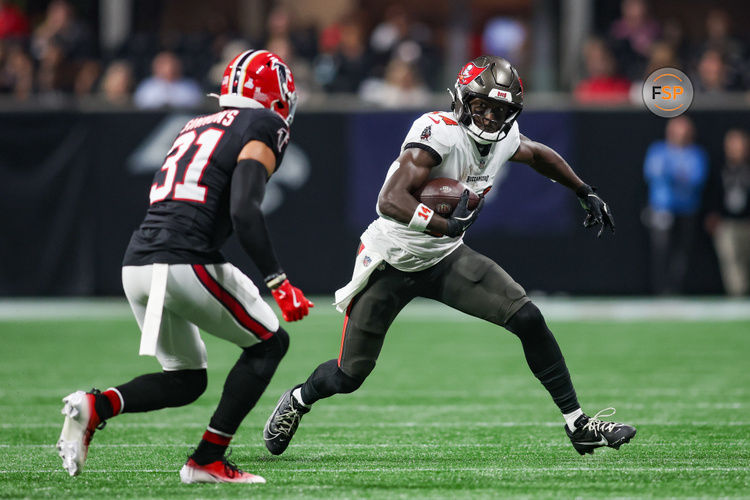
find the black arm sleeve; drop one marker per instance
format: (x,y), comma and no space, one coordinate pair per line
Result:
(248,187)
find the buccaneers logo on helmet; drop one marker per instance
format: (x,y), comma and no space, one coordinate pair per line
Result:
(496,81)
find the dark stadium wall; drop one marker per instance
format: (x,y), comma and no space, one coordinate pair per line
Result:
(75,185)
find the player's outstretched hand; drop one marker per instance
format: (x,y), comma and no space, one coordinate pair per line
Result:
(292,302)
(462,218)
(597,210)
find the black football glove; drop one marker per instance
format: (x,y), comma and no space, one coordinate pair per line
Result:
(461,217)
(597,210)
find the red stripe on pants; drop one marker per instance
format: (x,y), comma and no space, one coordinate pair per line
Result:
(232,304)
(343,333)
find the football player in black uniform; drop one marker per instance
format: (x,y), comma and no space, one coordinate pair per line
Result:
(176,279)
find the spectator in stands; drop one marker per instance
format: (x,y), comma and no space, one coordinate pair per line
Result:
(400,36)
(602,83)
(662,56)
(713,74)
(55,74)
(166,86)
(720,39)
(62,28)
(401,87)
(345,61)
(304,82)
(85,80)
(389,32)
(13,22)
(117,83)
(282,24)
(227,51)
(16,71)
(675,171)
(728,220)
(506,37)
(673,34)
(632,36)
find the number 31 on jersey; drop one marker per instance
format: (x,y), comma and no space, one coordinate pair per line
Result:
(190,188)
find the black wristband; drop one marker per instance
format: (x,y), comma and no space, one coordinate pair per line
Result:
(274,280)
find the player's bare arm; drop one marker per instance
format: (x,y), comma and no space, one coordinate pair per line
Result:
(396,199)
(549,163)
(258,151)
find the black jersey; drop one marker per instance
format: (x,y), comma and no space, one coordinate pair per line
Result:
(188,218)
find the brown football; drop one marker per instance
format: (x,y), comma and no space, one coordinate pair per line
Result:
(442,195)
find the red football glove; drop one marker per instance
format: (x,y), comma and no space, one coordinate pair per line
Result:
(293,304)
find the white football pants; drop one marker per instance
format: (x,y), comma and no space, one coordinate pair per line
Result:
(217,298)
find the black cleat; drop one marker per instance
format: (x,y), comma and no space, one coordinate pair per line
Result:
(283,423)
(592,433)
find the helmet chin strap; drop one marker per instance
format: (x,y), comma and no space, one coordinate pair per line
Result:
(477,134)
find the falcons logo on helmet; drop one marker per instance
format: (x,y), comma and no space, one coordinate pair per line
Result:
(259,77)
(285,78)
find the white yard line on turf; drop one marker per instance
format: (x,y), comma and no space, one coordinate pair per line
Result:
(543,470)
(554,308)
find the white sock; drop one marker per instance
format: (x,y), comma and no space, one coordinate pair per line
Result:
(297,394)
(570,418)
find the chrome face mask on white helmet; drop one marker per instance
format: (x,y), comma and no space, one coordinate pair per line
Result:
(496,81)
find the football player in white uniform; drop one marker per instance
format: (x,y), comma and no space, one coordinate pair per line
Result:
(400,258)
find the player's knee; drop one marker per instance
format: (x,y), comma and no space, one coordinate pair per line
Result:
(187,385)
(275,347)
(527,321)
(346,383)
(281,344)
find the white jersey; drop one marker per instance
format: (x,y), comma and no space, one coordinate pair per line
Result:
(438,133)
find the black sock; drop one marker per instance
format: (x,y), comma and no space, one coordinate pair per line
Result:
(556,379)
(211,448)
(103,407)
(543,356)
(163,390)
(247,381)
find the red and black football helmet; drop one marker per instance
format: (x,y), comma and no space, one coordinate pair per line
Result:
(259,79)
(496,81)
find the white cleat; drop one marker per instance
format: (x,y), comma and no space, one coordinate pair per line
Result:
(81,421)
(221,471)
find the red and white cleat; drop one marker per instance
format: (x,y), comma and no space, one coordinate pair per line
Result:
(221,471)
(81,421)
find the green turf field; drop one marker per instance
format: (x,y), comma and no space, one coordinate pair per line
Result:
(451,411)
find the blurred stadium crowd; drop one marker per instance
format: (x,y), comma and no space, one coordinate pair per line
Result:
(391,54)
(149,54)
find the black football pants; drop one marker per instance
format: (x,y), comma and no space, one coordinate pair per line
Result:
(465,280)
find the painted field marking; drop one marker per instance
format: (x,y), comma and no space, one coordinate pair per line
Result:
(358,470)
(553,308)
